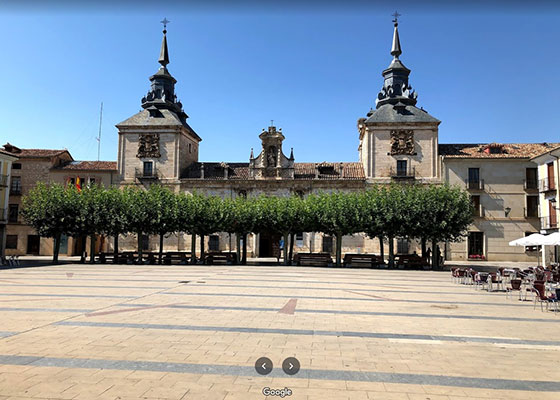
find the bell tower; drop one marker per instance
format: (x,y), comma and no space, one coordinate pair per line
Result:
(157,144)
(398,140)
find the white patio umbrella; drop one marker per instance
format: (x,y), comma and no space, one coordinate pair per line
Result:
(553,239)
(536,239)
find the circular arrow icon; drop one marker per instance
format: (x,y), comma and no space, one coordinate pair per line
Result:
(291,366)
(263,366)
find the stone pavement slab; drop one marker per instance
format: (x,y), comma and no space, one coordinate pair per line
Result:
(185,332)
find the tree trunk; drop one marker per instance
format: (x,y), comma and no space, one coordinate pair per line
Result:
(423,243)
(391,252)
(92,249)
(435,256)
(338,249)
(286,246)
(244,260)
(116,249)
(381,248)
(238,246)
(160,248)
(202,249)
(193,248)
(83,238)
(292,240)
(140,246)
(56,248)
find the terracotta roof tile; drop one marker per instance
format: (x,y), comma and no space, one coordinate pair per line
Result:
(90,166)
(494,150)
(302,171)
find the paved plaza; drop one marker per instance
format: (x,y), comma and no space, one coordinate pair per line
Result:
(195,332)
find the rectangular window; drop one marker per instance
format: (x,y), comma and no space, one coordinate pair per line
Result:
(402,246)
(13,213)
(475,200)
(474,178)
(91,181)
(15,186)
(532,207)
(214,243)
(148,168)
(401,167)
(476,245)
(16,165)
(550,175)
(11,241)
(327,244)
(531,178)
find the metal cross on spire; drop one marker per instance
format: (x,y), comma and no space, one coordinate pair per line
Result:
(165,21)
(396,15)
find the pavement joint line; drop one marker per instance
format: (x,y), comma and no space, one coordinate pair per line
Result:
(35,309)
(249,371)
(470,293)
(520,304)
(102,296)
(307,332)
(91,286)
(108,278)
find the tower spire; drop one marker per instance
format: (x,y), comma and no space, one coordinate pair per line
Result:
(396,89)
(164,53)
(396,48)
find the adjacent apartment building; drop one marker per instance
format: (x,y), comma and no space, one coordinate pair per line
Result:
(43,165)
(6,160)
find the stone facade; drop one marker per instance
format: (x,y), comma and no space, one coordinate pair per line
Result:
(398,143)
(6,160)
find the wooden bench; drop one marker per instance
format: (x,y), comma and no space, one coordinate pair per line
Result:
(227,257)
(411,261)
(182,257)
(313,259)
(362,260)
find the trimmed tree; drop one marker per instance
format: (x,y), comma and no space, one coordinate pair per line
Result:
(446,214)
(336,214)
(51,210)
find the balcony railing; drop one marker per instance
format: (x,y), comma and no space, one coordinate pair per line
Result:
(478,211)
(531,212)
(405,173)
(549,222)
(530,184)
(475,184)
(3,180)
(546,184)
(139,173)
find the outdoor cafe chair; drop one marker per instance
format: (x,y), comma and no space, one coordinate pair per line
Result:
(541,297)
(481,279)
(495,280)
(515,285)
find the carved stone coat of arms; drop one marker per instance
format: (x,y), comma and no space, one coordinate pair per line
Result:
(148,146)
(402,142)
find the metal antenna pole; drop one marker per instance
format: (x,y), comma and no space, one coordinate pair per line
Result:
(99,135)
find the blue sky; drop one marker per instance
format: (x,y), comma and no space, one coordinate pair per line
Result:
(487,74)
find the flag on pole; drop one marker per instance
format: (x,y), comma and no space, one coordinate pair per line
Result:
(78,184)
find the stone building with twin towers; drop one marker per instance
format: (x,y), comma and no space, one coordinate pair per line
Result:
(398,142)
